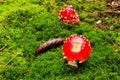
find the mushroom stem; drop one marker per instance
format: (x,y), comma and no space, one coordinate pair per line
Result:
(11,59)
(3,47)
(73,64)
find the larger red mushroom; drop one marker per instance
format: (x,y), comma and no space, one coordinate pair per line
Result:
(68,15)
(76,48)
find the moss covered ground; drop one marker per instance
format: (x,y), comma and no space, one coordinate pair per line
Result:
(24,24)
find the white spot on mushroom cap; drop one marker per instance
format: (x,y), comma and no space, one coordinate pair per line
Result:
(83,45)
(71,9)
(73,19)
(71,15)
(65,17)
(81,36)
(88,44)
(65,41)
(64,57)
(72,35)
(70,6)
(75,37)
(87,40)
(63,10)
(76,17)
(68,11)
(68,38)
(84,39)
(61,16)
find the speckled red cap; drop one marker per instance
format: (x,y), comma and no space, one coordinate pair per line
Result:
(76,47)
(68,15)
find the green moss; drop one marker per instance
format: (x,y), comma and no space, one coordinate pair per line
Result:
(25,24)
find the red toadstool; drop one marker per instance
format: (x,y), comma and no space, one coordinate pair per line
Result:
(76,47)
(68,15)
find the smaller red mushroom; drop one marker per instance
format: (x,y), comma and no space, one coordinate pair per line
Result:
(68,15)
(76,47)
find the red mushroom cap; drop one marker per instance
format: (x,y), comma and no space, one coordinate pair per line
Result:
(76,47)
(68,15)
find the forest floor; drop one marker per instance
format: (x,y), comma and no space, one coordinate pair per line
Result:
(25,24)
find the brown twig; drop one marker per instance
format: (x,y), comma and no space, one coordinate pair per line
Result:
(109,38)
(17,68)
(11,59)
(111,12)
(3,47)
